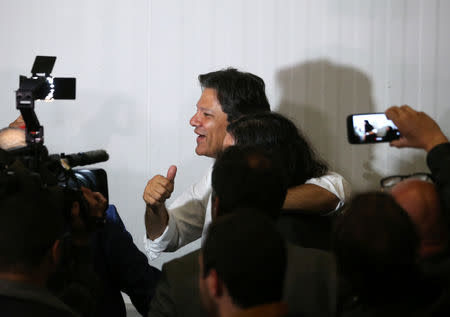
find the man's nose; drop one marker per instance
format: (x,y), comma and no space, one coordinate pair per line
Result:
(194,120)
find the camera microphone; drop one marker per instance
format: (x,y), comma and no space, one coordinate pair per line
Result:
(83,158)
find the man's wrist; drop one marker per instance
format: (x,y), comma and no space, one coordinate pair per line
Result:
(156,220)
(440,139)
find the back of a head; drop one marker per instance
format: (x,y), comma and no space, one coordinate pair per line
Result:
(12,138)
(421,201)
(30,221)
(279,134)
(376,246)
(239,93)
(248,177)
(251,261)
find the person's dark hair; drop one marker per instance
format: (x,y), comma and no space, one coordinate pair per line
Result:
(376,247)
(239,93)
(280,135)
(248,177)
(251,261)
(30,221)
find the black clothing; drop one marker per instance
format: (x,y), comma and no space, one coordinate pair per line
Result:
(368,127)
(177,293)
(94,275)
(309,288)
(412,297)
(438,160)
(437,268)
(437,271)
(121,267)
(21,299)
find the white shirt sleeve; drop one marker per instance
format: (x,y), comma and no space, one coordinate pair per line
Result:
(186,219)
(334,183)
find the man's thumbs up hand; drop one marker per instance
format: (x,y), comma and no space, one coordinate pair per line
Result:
(159,188)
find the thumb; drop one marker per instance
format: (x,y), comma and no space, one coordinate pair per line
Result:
(172,172)
(399,143)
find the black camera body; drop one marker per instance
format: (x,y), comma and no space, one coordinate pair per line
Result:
(56,171)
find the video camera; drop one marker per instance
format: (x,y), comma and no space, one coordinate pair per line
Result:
(55,170)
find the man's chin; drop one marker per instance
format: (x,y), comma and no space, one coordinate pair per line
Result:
(199,151)
(202,152)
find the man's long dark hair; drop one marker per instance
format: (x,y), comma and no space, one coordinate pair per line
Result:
(278,134)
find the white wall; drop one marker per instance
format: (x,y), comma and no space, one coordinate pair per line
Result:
(137,62)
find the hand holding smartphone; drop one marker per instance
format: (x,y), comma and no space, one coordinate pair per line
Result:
(365,128)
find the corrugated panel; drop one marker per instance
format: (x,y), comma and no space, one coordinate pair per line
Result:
(138,62)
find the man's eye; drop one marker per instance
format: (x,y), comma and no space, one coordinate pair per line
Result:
(207,114)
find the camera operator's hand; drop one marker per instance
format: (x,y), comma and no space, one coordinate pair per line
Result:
(159,188)
(417,129)
(18,123)
(80,235)
(96,201)
(97,205)
(77,223)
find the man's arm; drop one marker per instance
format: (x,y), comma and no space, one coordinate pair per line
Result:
(418,130)
(311,198)
(158,189)
(186,217)
(318,195)
(156,221)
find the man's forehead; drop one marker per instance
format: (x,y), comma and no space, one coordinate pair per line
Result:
(411,186)
(210,107)
(208,98)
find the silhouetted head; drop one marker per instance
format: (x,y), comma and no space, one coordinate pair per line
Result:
(12,138)
(31,222)
(248,177)
(242,262)
(421,201)
(279,135)
(376,246)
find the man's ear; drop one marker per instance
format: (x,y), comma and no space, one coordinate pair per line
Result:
(214,284)
(215,207)
(55,253)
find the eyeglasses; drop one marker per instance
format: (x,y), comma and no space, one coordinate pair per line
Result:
(388,182)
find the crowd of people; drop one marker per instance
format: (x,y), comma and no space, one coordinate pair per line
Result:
(281,234)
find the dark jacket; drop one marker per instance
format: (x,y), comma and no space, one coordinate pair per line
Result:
(21,299)
(310,285)
(438,160)
(438,267)
(121,268)
(177,293)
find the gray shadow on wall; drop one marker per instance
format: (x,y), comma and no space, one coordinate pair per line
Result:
(117,115)
(318,95)
(8,111)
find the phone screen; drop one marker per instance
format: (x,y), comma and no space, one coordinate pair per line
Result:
(370,128)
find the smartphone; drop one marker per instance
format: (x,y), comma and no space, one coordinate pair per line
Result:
(365,128)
